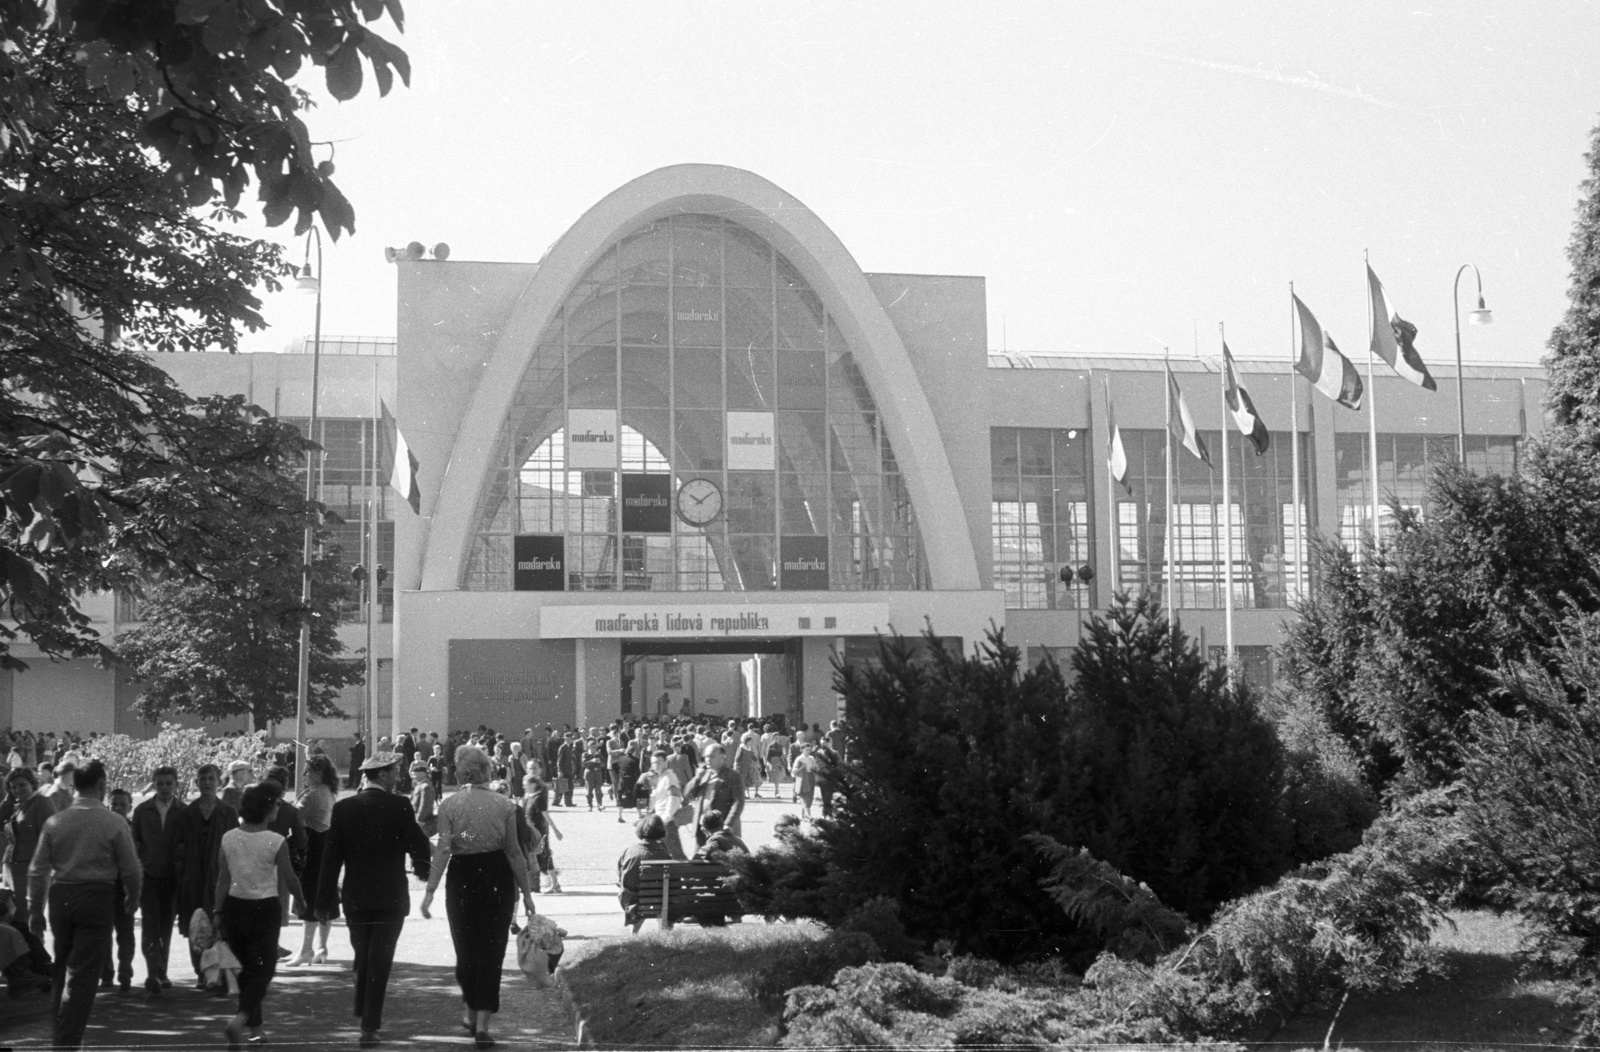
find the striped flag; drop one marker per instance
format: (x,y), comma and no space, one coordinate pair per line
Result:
(1323,363)
(1117,455)
(1243,409)
(1183,428)
(404,476)
(1393,337)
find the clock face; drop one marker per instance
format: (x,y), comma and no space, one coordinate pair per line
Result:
(699,502)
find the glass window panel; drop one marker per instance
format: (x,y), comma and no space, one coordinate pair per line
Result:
(802,443)
(800,379)
(749,319)
(1003,452)
(644,376)
(592,377)
(646,563)
(855,442)
(644,256)
(1071,453)
(749,259)
(644,315)
(1034,450)
(604,269)
(788,276)
(591,563)
(644,440)
(698,566)
(696,251)
(699,441)
(753,562)
(697,317)
(802,502)
(800,318)
(750,379)
(751,502)
(697,378)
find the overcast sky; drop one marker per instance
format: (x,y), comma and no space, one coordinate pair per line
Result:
(1121,173)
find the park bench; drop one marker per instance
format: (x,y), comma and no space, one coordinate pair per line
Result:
(686,891)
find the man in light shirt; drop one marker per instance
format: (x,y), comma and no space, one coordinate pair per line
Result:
(82,853)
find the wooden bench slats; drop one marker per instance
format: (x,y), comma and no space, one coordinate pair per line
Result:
(688,890)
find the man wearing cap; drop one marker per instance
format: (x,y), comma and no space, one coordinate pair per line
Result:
(370,836)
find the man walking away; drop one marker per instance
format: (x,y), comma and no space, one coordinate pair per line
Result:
(358,756)
(155,838)
(369,838)
(121,803)
(82,853)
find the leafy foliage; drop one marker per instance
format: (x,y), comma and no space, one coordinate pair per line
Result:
(229,645)
(1123,914)
(1326,800)
(1399,654)
(1574,359)
(1150,761)
(129,761)
(108,472)
(1531,790)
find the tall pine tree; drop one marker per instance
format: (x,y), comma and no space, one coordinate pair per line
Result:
(1574,358)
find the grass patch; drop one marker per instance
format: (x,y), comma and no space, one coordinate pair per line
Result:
(1489,997)
(684,988)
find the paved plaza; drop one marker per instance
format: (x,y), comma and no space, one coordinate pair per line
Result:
(309,1008)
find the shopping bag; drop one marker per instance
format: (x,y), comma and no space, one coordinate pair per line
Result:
(533,961)
(548,936)
(201,935)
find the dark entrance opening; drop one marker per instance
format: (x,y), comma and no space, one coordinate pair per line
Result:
(730,679)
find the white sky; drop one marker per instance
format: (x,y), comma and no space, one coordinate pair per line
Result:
(1119,172)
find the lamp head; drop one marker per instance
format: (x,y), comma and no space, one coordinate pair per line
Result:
(306,280)
(1482,316)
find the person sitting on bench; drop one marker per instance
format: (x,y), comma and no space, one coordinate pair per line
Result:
(718,841)
(652,834)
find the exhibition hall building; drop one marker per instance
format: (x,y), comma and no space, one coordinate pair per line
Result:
(695,456)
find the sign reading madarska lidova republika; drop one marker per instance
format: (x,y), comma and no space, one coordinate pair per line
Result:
(691,620)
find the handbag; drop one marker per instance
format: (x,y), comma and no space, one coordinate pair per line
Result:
(533,961)
(684,816)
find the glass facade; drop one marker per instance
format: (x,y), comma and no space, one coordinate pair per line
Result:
(1259,513)
(691,351)
(1039,518)
(345,483)
(1404,464)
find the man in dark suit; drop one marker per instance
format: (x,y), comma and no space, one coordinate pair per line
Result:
(370,836)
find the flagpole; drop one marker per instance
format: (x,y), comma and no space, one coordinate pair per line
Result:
(1294,447)
(1088,436)
(372,573)
(361,591)
(1169,547)
(1111,500)
(1227,507)
(1372,419)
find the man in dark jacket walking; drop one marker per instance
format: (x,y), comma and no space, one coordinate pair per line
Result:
(156,824)
(371,835)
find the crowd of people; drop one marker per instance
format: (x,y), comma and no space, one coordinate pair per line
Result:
(223,855)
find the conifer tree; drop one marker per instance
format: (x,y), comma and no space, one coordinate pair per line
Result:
(1574,358)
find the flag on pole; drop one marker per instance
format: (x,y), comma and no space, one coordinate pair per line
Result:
(1323,363)
(404,476)
(1117,455)
(1183,428)
(1251,426)
(1393,338)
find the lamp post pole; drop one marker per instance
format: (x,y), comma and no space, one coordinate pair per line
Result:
(1481,316)
(307,279)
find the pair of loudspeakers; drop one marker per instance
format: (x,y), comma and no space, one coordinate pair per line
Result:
(441,252)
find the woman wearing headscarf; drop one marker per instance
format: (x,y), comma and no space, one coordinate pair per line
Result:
(479,855)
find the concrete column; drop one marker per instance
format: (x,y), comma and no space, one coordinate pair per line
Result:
(599,682)
(818,703)
(580,716)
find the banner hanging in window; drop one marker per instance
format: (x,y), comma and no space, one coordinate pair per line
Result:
(646,503)
(750,442)
(592,438)
(804,564)
(539,562)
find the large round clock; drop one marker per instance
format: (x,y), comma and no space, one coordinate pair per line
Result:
(699,502)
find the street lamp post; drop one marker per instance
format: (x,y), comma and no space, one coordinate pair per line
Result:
(310,281)
(1482,316)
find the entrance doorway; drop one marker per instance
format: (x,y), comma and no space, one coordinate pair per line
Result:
(730,679)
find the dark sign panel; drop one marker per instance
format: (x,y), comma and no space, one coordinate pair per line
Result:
(540,562)
(646,503)
(805,564)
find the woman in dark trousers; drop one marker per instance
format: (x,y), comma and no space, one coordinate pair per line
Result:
(253,868)
(486,868)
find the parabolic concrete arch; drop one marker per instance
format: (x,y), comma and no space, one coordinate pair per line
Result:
(792,229)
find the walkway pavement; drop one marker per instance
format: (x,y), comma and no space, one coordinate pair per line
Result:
(309,1008)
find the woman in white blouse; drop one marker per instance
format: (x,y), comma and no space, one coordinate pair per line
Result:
(666,798)
(478,845)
